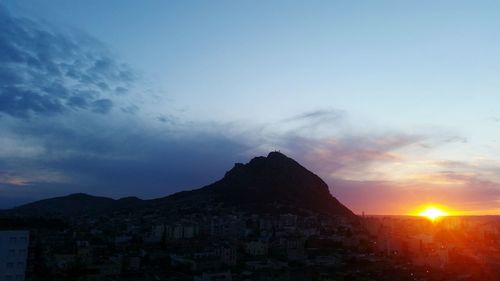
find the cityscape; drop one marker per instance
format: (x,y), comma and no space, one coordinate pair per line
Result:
(204,239)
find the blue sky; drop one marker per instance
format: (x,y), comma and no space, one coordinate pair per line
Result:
(392,98)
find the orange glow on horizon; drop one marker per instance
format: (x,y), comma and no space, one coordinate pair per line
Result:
(431,211)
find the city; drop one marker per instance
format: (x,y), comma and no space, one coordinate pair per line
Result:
(205,235)
(244,246)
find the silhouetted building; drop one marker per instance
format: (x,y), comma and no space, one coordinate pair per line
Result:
(13,255)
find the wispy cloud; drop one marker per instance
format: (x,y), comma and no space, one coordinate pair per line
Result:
(346,154)
(318,116)
(9,179)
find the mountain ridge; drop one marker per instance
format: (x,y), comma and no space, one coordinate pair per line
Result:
(275,180)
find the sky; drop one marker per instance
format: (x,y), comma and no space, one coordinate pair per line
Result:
(393,103)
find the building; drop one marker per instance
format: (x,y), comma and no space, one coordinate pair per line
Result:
(182,230)
(13,255)
(228,254)
(216,276)
(256,248)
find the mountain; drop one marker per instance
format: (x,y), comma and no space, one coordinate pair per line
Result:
(264,183)
(75,204)
(275,179)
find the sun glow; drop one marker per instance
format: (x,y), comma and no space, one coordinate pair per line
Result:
(432,213)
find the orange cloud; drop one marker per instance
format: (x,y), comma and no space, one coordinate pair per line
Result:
(464,194)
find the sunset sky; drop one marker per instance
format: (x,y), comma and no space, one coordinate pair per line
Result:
(395,104)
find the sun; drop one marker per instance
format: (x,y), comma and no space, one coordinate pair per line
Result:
(432,213)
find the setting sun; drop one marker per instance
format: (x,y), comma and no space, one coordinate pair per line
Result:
(432,213)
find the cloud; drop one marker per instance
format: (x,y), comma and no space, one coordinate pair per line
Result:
(167,119)
(463,193)
(456,139)
(313,123)
(391,171)
(326,140)
(102,106)
(317,116)
(45,71)
(348,155)
(9,179)
(61,133)
(118,155)
(119,159)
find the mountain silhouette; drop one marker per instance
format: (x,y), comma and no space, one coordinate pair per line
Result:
(264,183)
(76,204)
(275,179)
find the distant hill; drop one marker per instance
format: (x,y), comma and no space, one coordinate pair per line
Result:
(275,181)
(75,204)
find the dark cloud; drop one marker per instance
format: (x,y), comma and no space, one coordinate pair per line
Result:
(131,109)
(167,119)
(48,71)
(19,102)
(102,106)
(117,158)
